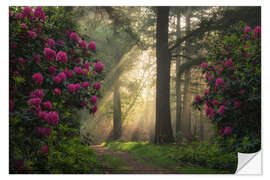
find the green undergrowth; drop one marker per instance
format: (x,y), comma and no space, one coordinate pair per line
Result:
(186,159)
(115,164)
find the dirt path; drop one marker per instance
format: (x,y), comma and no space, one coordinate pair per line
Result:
(121,162)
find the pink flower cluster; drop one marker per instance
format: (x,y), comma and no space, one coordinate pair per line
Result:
(92,46)
(62,56)
(99,67)
(226,131)
(73,87)
(38,78)
(49,54)
(44,131)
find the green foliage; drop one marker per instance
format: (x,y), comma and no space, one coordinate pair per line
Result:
(194,158)
(72,157)
(233,75)
(206,155)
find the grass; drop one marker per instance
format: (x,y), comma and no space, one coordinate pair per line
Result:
(117,165)
(160,155)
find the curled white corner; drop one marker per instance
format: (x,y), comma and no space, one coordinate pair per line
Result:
(249,163)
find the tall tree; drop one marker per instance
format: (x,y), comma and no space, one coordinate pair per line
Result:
(178,79)
(163,133)
(185,121)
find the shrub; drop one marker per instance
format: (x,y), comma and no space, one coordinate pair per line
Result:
(233,75)
(49,79)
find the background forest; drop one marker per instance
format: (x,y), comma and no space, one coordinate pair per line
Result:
(179,87)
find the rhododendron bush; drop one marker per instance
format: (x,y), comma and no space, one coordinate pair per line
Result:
(233,99)
(49,79)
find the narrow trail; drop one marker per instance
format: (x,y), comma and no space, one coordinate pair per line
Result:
(129,164)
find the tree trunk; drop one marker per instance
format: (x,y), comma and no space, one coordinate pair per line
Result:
(185,123)
(163,133)
(117,123)
(178,80)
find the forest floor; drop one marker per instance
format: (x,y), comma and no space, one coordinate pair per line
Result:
(122,162)
(128,158)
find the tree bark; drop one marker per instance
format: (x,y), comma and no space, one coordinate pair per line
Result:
(178,80)
(185,123)
(163,132)
(117,122)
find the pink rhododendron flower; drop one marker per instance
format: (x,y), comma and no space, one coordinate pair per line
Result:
(82,44)
(85,84)
(60,43)
(220,70)
(57,79)
(210,112)
(24,26)
(221,109)
(247,29)
(43,115)
(219,82)
(86,65)
(204,65)
(92,46)
(62,76)
(37,94)
(99,66)
(52,69)
(71,88)
(83,103)
(77,86)
(19,16)
(11,104)
(38,78)
(57,92)
(10,13)
(44,150)
(68,73)
(229,62)
(52,118)
(27,11)
(32,34)
(94,99)
(85,72)
(206,92)
(236,104)
(37,58)
(68,32)
(97,85)
(78,70)
(12,44)
(94,109)
(34,101)
(198,98)
(22,61)
(44,131)
(215,102)
(51,42)
(228,131)
(257,31)
(49,53)
(74,36)
(39,13)
(221,132)
(48,105)
(62,56)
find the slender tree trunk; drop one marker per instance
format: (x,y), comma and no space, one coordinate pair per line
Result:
(163,133)
(117,122)
(185,123)
(178,80)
